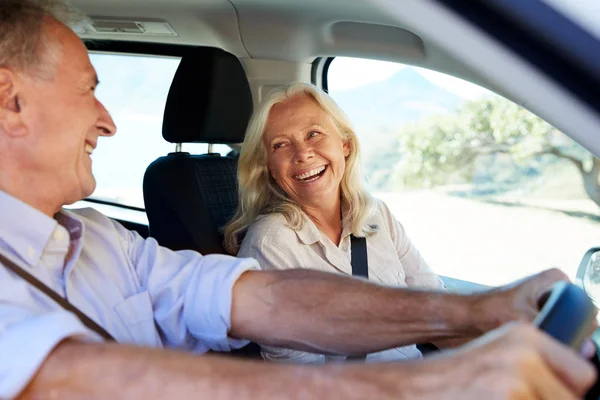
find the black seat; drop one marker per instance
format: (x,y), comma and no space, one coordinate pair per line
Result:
(189,198)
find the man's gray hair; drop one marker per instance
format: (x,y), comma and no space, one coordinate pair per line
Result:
(22,34)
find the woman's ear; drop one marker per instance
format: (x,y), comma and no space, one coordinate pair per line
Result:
(347,147)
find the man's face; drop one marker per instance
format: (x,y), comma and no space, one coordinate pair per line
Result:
(62,118)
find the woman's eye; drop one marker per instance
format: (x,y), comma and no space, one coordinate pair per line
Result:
(313,134)
(278,146)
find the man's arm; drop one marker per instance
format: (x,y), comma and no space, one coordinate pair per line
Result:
(76,370)
(334,314)
(515,361)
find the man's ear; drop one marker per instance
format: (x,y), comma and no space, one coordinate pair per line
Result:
(11,117)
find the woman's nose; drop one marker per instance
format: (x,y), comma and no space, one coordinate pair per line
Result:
(303,153)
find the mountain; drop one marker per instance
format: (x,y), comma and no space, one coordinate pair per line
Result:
(379,107)
(405,96)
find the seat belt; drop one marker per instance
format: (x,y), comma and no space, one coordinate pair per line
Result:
(358,259)
(32,280)
(360,267)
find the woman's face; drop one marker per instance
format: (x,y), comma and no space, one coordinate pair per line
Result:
(305,152)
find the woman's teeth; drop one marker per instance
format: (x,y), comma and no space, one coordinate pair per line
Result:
(310,175)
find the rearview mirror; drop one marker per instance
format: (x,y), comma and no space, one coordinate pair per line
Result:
(588,274)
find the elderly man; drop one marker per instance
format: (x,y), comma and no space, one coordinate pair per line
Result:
(146,295)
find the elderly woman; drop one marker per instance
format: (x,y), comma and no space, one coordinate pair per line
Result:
(301,197)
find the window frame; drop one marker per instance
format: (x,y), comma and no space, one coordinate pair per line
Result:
(542,36)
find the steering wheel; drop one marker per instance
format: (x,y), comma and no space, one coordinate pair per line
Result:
(567,314)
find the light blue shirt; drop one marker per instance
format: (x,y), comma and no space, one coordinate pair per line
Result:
(140,292)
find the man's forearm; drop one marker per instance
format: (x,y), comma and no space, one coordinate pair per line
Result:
(329,313)
(98,371)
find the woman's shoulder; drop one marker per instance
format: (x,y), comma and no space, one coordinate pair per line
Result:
(382,211)
(383,215)
(269,228)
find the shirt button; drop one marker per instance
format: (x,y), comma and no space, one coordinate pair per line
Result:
(30,252)
(400,275)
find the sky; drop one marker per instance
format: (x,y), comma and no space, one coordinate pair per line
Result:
(347,73)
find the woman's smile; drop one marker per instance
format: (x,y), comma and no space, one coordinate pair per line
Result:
(312,175)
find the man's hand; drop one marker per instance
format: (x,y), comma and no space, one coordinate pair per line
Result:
(516,361)
(518,301)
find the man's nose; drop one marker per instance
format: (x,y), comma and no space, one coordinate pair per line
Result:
(105,122)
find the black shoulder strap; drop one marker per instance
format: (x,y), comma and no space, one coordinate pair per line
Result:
(32,280)
(360,267)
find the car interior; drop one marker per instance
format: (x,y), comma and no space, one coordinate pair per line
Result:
(233,52)
(189,197)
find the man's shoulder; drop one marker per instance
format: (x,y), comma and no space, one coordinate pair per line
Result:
(93,218)
(88,214)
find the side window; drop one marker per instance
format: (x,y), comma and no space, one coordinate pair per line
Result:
(134,90)
(487,191)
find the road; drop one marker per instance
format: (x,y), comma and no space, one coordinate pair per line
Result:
(490,243)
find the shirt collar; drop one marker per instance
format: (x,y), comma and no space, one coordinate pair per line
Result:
(24,229)
(309,233)
(71,222)
(346,227)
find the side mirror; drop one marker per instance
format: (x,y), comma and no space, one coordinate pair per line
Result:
(588,274)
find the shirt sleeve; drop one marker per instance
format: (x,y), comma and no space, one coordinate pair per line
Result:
(191,294)
(418,273)
(22,348)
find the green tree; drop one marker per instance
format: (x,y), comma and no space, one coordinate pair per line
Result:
(445,149)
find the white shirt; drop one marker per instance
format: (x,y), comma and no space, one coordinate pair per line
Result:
(392,258)
(140,292)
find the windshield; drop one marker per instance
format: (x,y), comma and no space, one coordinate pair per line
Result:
(487,191)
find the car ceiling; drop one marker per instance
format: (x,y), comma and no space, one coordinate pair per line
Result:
(285,30)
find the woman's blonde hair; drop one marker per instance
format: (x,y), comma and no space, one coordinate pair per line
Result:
(260,194)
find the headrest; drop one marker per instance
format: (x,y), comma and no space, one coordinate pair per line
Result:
(209,100)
